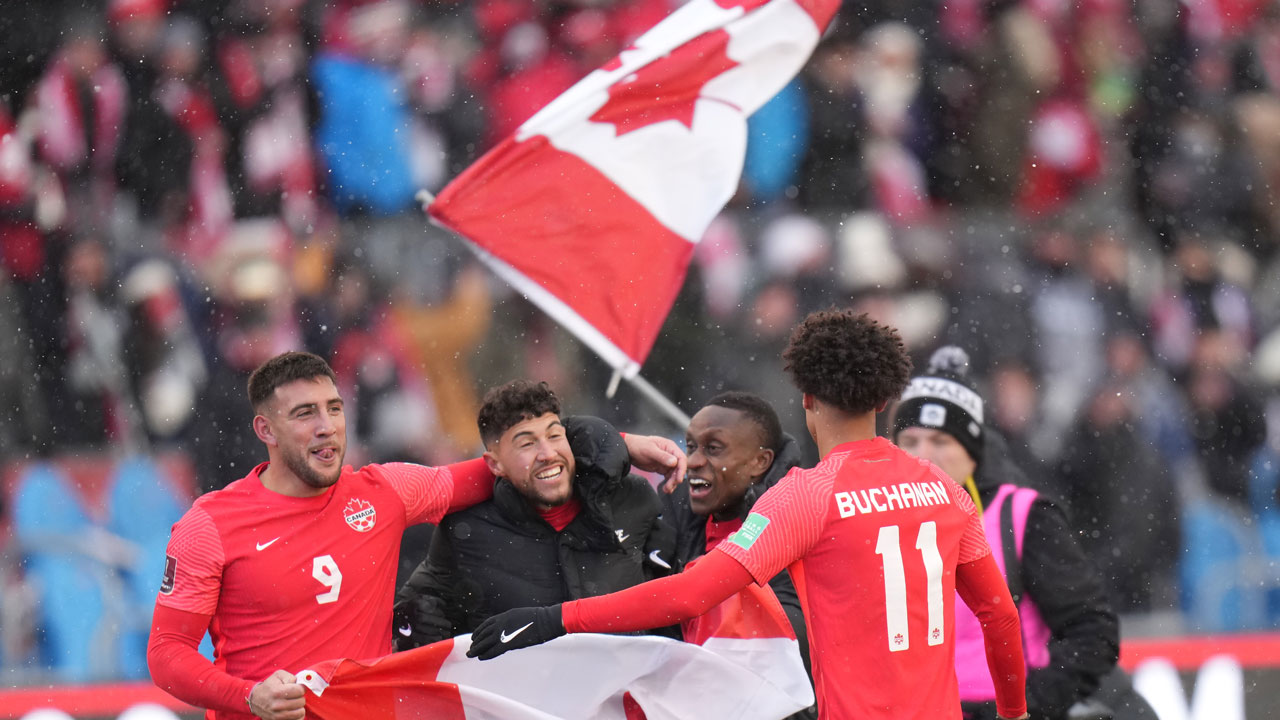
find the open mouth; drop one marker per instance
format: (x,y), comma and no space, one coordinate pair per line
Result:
(699,487)
(549,474)
(325,454)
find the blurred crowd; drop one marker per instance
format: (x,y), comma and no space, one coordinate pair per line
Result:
(1081,193)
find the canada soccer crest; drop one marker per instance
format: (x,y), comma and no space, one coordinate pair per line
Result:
(360,515)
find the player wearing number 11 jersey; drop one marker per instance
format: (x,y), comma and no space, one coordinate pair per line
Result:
(876,541)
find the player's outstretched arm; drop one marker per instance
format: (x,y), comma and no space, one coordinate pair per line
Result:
(657,454)
(982,587)
(653,604)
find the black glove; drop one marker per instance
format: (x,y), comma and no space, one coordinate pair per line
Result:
(513,629)
(414,625)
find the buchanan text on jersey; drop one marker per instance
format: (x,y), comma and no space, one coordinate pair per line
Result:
(884,498)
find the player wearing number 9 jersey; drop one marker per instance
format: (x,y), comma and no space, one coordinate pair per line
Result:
(876,541)
(295,563)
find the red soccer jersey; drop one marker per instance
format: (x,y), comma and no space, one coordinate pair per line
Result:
(872,537)
(294,581)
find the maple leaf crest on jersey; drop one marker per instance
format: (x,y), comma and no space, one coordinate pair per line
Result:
(360,515)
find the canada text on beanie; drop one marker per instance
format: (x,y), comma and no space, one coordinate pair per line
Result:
(943,399)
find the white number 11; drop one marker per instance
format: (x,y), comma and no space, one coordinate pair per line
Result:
(895,584)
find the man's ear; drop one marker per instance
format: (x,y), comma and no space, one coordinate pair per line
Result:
(761,463)
(806,401)
(491,461)
(883,405)
(263,430)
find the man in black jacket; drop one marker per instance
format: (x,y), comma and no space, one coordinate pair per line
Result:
(736,451)
(565,522)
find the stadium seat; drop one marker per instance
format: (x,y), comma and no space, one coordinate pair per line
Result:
(141,508)
(1264,483)
(50,527)
(1221,552)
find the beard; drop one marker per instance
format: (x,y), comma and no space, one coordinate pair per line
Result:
(300,466)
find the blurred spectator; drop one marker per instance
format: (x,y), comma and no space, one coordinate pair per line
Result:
(1069,325)
(83,101)
(95,407)
(1224,418)
(1122,501)
(261,92)
(165,362)
(1161,411)
(202,212)
(1198,299)
(224,446)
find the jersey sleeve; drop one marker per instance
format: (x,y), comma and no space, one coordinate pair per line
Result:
(785,523)
(973,543)
(178,668)
(657,603)
(193,566)
(429,493)
(982,587)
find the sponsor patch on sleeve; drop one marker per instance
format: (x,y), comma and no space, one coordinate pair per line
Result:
(747,535)
(170,572)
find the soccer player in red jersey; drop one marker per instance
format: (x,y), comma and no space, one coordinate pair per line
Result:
(296,562)
(877,543)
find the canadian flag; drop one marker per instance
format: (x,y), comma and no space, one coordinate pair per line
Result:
(592,208)
(747,666)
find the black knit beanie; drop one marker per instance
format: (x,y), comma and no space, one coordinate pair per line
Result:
(943,399)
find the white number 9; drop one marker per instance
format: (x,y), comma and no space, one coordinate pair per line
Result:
(324,569)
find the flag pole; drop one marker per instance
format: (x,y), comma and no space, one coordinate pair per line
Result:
(669,408)
(655,396)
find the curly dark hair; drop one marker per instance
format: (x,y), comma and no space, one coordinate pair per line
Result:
(515,402)
(847,360)
(757,411)
(282,370)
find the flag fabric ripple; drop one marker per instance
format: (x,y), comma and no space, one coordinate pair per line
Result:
(592,208)
(747,666)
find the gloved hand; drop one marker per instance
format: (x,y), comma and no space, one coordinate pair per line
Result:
(415,622)
(513,629)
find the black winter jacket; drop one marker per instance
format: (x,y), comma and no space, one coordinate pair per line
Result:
(501,554)
(691,541)
(1068,590)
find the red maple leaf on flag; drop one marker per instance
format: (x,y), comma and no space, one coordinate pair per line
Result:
(666,89)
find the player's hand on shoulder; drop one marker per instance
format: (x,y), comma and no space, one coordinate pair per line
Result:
(514,629)
(657,454)
(279,697)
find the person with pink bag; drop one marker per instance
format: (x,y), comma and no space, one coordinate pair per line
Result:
(1070,632)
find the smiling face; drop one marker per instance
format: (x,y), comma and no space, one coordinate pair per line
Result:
(725,458)
(534,454)
(939,448)
(304,426)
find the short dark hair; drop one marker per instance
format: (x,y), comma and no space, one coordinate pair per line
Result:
(847,360)
(515,402)
(284,369)
(757,411)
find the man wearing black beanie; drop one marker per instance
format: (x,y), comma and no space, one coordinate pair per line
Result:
(1070,633)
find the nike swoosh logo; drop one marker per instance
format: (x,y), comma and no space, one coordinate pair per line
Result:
(622,537)
(504,637)
(265,545)
(405,630)
(653,557)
